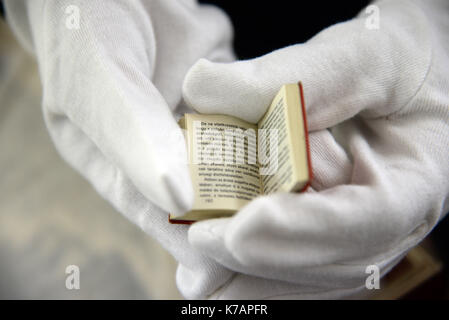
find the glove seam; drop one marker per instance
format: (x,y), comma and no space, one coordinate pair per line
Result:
(223,287)
(426,74)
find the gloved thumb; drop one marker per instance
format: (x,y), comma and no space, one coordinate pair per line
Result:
(345,69)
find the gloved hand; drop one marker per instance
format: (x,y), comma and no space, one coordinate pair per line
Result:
(377,102)
(112,74)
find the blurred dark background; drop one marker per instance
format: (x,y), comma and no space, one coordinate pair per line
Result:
(263,26)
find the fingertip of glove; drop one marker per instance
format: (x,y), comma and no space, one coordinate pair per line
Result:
(178,187)
(192,88)
(206,233)
(226,88)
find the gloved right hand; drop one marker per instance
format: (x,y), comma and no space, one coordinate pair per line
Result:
(112,74)
(377,107)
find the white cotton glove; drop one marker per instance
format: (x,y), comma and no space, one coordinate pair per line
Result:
(112,74)
(377,102)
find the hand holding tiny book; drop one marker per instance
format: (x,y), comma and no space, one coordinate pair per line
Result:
(233,161)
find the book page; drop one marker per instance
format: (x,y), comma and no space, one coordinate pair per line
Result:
(283,156)
(223,164)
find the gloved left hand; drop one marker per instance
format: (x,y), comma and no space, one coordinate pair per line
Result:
(112,73)
(377,104)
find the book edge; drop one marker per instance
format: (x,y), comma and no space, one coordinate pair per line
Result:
(306,135)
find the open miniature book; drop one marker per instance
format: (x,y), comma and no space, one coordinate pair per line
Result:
(233,161)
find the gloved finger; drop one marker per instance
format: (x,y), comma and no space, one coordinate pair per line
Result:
(203,276)
(345,69)
(140,135)
(309,246)
(331,164)
(104,88)
(244,286)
